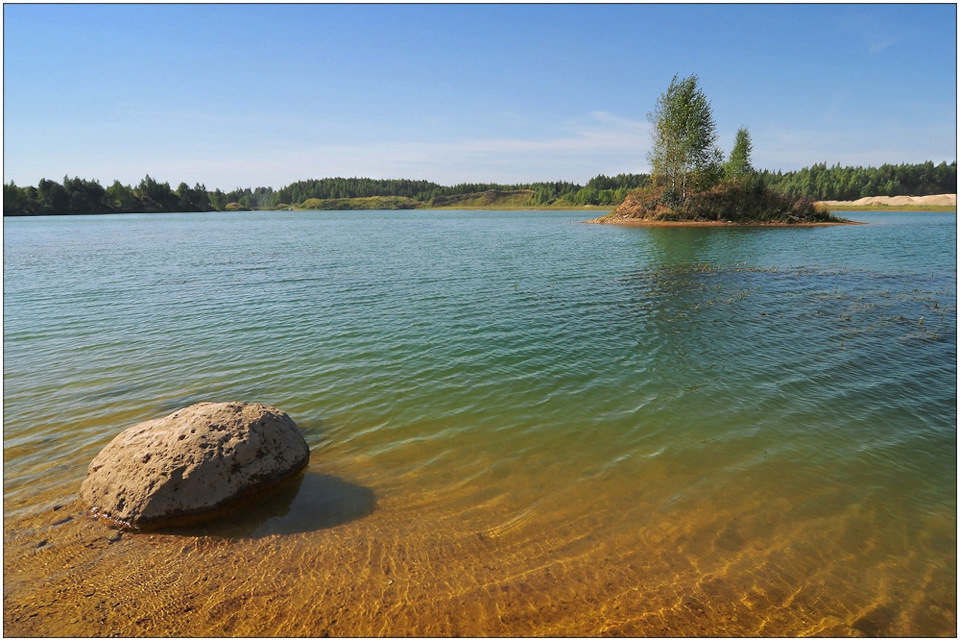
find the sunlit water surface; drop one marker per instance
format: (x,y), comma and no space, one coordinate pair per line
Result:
(520,425)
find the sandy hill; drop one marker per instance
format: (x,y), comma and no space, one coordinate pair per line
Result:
(946,200)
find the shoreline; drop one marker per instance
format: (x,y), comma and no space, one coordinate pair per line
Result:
(607,208)
(934,208)
(853,205)
(636,222)
(590,208)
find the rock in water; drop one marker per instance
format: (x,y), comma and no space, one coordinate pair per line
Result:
(196,460)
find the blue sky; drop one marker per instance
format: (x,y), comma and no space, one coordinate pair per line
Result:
(264,95)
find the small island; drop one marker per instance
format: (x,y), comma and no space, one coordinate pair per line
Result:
(692,185)
(748,202)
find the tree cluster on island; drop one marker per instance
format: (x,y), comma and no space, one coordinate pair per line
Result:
(692,183)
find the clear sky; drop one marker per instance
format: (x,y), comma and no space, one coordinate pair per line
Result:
(264,95)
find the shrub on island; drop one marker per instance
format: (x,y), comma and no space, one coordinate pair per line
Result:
(746,201)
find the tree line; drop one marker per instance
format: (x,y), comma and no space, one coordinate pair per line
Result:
(820,182)
(600,190)
(80,196)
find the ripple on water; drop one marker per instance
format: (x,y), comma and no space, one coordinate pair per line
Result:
(520,426)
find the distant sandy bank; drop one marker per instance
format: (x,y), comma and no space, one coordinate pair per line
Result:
(940,200)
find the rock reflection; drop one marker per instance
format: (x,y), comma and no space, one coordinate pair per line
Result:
(306,503)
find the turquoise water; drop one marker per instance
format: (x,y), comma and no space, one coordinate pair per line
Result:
(761,422)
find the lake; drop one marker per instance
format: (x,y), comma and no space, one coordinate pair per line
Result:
(520,424)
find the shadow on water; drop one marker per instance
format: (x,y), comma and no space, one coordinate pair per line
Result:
(306,503)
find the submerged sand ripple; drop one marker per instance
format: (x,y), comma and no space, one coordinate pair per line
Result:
(401,571)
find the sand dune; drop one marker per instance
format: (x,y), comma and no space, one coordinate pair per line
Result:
(898,201)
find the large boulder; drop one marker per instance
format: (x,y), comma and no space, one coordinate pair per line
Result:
(199,459)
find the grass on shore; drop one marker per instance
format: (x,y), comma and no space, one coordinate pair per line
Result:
(490,199)
(487,200)
(494,199)
(372,202)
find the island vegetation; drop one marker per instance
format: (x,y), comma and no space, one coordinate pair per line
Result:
(691,183)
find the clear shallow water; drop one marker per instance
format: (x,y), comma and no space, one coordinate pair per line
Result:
(520,424)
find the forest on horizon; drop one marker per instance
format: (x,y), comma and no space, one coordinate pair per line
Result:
(817,182)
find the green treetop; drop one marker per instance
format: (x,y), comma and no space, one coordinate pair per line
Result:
(739,163)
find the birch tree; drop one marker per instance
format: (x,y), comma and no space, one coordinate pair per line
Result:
(684,135)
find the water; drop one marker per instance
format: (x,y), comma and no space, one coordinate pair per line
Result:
(520,425)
